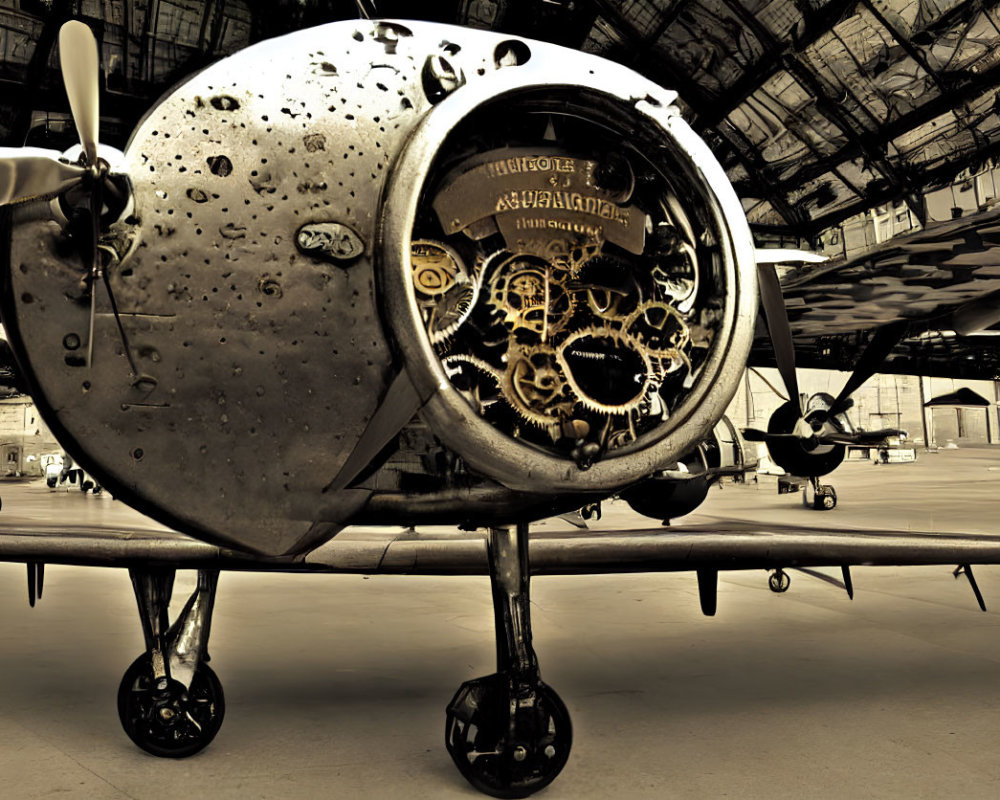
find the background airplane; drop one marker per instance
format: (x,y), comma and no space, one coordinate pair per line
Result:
(163,308)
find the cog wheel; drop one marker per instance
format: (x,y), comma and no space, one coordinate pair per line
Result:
(436,267)
(531,295)
(445,291)
(669,362)
(452,308)
(570,257)
(535,387)
(608,370)
(484,367)
(661,330)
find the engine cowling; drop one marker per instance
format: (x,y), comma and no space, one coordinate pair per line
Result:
(533,235)
(568,273)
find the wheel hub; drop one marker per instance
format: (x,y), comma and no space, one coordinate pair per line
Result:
(508,748)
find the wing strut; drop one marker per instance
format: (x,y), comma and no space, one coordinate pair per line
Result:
(36,580)
(848,582)
(708,591)
(881,344)
(966,569)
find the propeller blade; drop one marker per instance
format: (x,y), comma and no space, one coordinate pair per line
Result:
(777,325)
(754,435)
(859,437)
(757,435)
(785,255)
(79,63)
(879,347)
(30,172)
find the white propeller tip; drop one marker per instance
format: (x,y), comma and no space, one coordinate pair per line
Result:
(787,255)
(80,66)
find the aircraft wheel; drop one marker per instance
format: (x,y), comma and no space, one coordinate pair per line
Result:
(164,718)
(823,499)
(500,759)
(779,581)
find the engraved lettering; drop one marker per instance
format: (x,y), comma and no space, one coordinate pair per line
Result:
(595,232)
(521,164)
(572,201)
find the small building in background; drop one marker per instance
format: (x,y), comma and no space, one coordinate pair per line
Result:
(24,438)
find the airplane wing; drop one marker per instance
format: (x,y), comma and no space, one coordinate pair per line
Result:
(723,545)
(943,280)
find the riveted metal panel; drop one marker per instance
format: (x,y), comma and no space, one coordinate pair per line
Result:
(260,361)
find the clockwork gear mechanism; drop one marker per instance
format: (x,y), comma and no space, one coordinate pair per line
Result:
(581,325)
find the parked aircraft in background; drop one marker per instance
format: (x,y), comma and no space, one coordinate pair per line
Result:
(395,272)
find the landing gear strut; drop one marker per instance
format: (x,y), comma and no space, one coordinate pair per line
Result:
(508,733)
(170,701)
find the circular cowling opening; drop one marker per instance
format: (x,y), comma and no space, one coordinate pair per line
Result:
(564,284)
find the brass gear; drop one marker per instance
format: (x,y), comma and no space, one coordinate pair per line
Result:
(535,386)
(477,363)
(436,267)
(519,289)
(618,339)
(569,257)
(662,332)
(445,290)
(452,308)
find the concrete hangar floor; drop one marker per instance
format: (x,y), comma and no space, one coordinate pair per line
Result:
(336,685)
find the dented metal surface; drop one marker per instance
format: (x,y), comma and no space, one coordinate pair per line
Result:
(333,241)
(263,363)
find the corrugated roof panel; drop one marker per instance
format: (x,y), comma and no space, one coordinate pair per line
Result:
(780,17)
(823,196)
(711,43)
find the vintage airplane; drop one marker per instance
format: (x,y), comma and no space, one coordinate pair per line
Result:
(409,273)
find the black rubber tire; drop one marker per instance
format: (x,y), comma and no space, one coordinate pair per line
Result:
(138,701)
(480,709)
(779,582)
